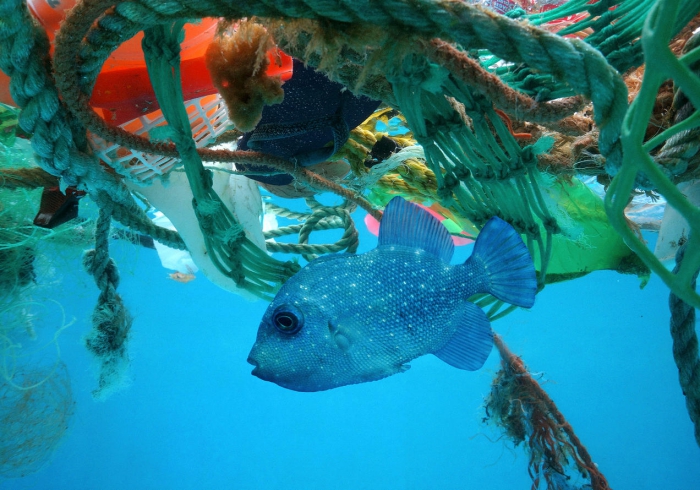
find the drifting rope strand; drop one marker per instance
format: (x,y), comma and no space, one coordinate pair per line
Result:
(516,365)
(111,322)
(685,348)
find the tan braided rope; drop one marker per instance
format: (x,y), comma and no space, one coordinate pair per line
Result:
(26,178)
(521,106)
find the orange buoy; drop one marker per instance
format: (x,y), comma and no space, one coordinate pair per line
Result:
(123,90)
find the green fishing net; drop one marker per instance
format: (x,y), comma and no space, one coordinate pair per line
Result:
(36,401)
(35,408)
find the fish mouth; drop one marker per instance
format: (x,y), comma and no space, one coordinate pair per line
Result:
(297,384)
(256,367)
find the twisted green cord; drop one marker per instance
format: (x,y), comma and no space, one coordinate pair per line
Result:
(284,212)
(348,241)
(325,224)
(321,218)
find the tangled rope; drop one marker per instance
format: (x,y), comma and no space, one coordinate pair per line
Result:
(58,139)
(574,62)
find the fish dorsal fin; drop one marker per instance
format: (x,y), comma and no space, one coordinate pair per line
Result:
(472,342)
(406,224)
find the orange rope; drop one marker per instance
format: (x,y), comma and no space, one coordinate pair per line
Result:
(506,119)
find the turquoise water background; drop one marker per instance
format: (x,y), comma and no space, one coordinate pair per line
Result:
(194,418)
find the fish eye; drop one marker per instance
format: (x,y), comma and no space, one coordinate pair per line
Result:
(288,319)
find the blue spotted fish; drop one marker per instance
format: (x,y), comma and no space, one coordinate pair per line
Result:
(346,319)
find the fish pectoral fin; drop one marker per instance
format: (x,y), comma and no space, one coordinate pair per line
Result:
(342,342)
(471,344)
(341,337)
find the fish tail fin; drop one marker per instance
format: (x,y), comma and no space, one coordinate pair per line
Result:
(502,258)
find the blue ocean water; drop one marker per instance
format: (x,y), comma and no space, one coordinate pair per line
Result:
(194,418)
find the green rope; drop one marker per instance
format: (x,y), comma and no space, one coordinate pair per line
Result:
(321,218)
(284,212)
(225,240)
(111,322)
(685,348)
(348,241)
(331,223)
